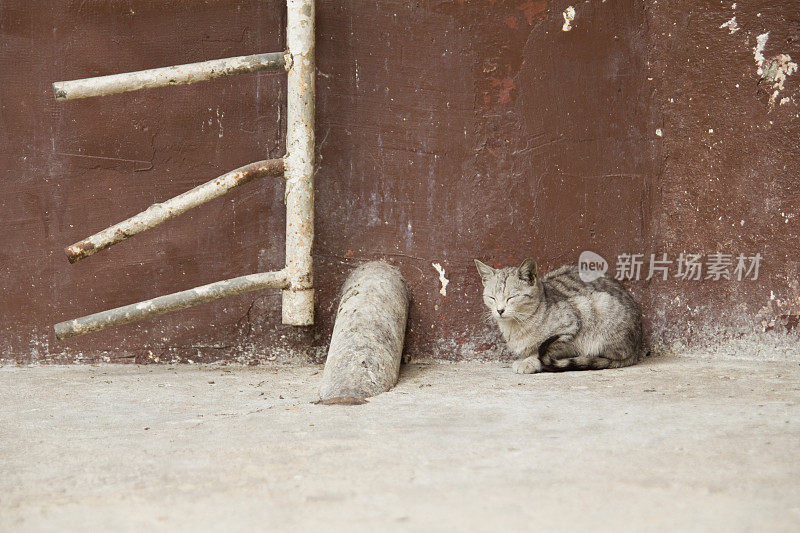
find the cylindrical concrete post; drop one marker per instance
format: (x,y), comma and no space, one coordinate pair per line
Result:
(367,342)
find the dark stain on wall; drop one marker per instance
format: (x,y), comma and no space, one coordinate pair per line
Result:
(446,131)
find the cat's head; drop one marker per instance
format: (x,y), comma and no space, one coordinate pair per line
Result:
(511,293)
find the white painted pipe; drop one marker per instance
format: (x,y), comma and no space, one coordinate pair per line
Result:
(298,299)
(171,302)
(158,213)
(296,279)
(167,76)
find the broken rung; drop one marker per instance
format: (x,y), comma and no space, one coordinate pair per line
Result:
(171,302)
(167,76)
(158,213)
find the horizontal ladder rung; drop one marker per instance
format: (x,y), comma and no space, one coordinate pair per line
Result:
(158,213)
(171,302)
(162,77)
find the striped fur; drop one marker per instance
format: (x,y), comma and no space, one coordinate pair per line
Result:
(558,322)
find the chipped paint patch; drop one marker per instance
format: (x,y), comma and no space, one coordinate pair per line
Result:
(442,279)
(776,71)
(731,25)
(758,51)
(569,16)
(779,315)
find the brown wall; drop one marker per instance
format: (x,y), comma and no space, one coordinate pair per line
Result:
(446,131)
(735,189)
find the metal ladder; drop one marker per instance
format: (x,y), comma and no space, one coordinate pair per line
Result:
(297,167)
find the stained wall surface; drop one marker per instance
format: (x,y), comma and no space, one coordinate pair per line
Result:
(446,131)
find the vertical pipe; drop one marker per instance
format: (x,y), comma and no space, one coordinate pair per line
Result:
(298,299)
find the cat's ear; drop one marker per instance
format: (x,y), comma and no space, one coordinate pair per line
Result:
(528,270)
(485,271)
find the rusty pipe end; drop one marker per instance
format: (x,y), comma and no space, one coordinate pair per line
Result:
(64,330)
(59,91)
(79,250)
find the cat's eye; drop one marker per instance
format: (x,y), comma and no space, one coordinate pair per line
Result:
(491,298)
(510,298)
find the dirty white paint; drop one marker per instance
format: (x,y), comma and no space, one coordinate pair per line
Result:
(774,70)
(780,67)
(298,299)
(166,76)
(731,25)
(758,51)
(569,16)
(442,279)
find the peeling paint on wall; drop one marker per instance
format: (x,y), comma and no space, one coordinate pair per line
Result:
(731,25)
(569,16)
(773,71)
(780,315)
(442,279)
(776,71)
(758,51)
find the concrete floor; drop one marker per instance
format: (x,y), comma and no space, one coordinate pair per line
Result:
(672,445)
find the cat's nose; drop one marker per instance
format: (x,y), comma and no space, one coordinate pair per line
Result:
(500,311)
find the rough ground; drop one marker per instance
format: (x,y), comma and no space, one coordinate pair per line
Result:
(672,445)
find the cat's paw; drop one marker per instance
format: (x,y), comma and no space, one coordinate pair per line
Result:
(530,365)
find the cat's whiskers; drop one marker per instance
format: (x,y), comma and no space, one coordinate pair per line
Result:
(487,316)
(518,320)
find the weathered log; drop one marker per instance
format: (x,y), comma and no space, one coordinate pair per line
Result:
(368,335)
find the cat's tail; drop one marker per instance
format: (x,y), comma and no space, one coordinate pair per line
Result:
(595,362)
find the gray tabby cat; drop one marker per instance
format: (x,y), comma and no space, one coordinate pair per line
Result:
(559,322)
